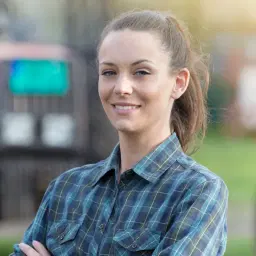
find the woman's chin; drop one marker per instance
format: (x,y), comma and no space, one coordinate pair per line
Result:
(125,128)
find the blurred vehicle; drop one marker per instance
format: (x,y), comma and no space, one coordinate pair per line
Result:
(51,121)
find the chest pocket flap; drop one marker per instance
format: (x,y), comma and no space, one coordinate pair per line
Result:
(64,231)
(137,239)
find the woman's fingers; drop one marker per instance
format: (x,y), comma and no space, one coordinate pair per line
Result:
(40,248)
(38,251)
(29,251)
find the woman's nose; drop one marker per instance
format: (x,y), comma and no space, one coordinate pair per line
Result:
(123,86)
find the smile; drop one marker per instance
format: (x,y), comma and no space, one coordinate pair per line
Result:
(125,107)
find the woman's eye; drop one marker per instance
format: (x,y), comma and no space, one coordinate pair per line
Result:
(142,73)
(108,73)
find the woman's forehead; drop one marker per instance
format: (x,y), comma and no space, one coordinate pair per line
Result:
(131,46)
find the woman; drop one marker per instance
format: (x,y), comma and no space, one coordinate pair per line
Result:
(148,197)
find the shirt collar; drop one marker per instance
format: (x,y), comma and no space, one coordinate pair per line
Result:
(153,165)
(111,163)
(150,167)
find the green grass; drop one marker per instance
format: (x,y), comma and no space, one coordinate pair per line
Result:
(6,246)
(235,161)
(239,248)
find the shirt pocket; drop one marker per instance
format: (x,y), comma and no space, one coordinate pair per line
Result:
(136,241)
(61,238)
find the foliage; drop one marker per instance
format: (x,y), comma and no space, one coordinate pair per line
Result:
(219,97)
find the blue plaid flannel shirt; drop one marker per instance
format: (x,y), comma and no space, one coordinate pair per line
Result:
(167,204)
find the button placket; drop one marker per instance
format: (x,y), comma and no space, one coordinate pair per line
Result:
(123,184)
(125,178)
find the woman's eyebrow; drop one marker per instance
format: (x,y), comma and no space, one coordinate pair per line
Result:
(141,61)
(107,63)
(133,64)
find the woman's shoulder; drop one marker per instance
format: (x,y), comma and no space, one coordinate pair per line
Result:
(79,175)
(197,174)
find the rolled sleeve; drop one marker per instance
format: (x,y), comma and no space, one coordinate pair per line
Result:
(199,226)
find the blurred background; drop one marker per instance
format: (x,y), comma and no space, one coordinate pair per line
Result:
(51,118)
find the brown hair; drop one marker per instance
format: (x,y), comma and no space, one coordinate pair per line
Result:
(189,113)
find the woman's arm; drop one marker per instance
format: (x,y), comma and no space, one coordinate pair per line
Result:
(38,229)
(199,226)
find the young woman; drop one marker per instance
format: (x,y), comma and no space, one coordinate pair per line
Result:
(148,197)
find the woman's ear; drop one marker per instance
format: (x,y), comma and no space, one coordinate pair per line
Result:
(181,83)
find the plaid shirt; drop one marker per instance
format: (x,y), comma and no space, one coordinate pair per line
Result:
(167,204)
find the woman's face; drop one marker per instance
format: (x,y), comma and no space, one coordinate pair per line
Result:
(136,87)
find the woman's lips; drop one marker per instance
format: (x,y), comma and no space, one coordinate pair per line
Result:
(125,109)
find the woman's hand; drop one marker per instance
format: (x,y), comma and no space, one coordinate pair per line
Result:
(38,251)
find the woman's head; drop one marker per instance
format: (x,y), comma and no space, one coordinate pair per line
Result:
(146,60)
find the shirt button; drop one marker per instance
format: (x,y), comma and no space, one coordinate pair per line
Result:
(102,226)
(62,237)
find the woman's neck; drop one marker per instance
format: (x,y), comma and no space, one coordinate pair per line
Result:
(134,147)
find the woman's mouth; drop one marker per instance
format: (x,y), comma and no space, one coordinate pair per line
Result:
(125,109)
